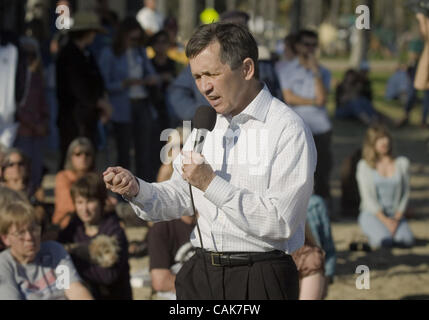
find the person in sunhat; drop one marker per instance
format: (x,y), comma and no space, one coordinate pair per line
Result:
(80,89)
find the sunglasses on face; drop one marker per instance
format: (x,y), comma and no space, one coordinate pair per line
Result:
(310,44)
(12,164)
(80,153)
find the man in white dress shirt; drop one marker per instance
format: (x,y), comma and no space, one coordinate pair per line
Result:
(251,183)
(150,19)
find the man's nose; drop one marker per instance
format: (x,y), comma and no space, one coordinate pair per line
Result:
(206,85)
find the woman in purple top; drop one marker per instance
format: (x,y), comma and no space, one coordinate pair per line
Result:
(97,243)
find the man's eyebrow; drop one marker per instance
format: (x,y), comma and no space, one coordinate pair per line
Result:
(207,73)
(202,73)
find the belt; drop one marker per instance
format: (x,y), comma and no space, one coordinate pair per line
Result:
(230,259)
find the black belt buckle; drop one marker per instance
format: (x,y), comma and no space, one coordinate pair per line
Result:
(213,255)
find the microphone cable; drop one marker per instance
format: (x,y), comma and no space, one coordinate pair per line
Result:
(199,233)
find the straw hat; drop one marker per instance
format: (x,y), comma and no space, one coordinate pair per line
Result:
(86,21)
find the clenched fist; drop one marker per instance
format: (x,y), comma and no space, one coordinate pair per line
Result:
(121,181)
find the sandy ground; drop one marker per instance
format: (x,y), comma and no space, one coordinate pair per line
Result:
(394,274)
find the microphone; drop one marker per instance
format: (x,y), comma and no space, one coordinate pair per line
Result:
(204,121)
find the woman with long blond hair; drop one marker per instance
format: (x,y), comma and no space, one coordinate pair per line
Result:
(383,181)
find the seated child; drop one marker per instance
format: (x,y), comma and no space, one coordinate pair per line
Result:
(96,241)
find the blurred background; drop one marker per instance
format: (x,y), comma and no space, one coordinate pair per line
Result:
(392,21)
(385,54)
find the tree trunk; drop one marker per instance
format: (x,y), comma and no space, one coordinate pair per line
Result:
(270,17)
(334,12)
(162,7)
(347,7)
(295,16)
(231,5)
(210,3)
(312,14)
(253,9)
(387,13)
(187,19)
(253,14)
(399,16)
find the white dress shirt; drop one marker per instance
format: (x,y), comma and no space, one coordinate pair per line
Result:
(150,20)
(264,178)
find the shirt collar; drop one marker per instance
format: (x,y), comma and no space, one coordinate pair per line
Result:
(258,108)
(295,62)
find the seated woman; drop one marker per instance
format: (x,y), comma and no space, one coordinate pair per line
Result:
(383,182)
(79,161)
(16,176)
(28,268)
(353,99)
(8,196)
(97,243)
(310,262)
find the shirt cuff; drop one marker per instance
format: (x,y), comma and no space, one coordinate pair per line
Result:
(144,194)
(219,191)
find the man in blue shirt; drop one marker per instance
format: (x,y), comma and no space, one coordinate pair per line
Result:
(305,85)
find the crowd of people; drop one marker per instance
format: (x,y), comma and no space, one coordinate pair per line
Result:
(128,80)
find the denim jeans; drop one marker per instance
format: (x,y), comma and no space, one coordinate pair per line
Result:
(356,107)
(378,234)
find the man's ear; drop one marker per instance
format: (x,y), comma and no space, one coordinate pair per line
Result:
(248,68)
(5,240)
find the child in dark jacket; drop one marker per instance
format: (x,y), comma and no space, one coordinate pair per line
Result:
(97,243)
